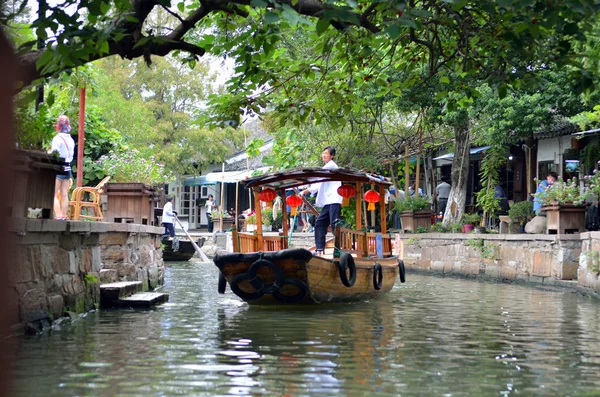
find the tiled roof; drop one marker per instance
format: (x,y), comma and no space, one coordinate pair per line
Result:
(558,128)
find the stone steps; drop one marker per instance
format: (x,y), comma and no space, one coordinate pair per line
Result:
(129,294)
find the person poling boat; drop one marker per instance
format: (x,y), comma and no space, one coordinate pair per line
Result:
(354,264)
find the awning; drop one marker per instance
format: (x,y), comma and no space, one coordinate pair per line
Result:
(231,176)
(588,132)
(450,156)
(196,181)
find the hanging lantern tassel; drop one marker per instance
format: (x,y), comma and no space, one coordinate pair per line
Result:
(371,197)
(347,192)
(293,201)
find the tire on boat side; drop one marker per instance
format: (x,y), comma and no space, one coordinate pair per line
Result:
(402,270)
(347,262)
(222,283)
(377,276)
(258,283)
(249,296)
(302,287)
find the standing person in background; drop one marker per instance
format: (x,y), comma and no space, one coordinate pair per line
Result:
(327,198)
(442,192)
(167,218)
(537,201)
(210,205)
(412,193)
(64,145)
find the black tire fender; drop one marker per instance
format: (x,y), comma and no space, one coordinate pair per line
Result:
(258,283)
(345,263)
(301,285)
(222,283)
(233,284)
(377,276)
(402,272)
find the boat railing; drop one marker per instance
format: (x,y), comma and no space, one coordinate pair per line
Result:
(361,243)
(249,242)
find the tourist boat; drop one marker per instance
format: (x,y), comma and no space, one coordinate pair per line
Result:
(357,264)
(179,249)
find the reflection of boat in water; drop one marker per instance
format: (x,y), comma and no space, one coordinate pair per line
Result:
(179,249)
(356,265)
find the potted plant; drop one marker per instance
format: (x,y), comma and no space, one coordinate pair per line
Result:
(521,213)
(564,207)
(267,219)
(251,222)
(414,212)
(470,221)
(216,217)
(133,185)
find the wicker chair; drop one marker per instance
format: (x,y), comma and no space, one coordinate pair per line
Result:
(77,202)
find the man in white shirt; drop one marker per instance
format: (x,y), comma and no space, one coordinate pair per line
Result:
(64,145)
(327,198)
(167,218)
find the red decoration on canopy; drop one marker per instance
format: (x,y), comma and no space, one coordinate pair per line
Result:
(267,195)
(371,197)
(293,201)
(347,192)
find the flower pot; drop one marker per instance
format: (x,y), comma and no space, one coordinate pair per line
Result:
(468,228)
(130,203)
(228,223)
(250,227)
(564,218)
(32,179)
(411,220)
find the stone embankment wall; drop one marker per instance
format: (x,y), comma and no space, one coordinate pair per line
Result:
(515,257)
(60,265)
(589,262)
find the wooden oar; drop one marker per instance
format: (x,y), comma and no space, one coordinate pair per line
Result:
(203,256)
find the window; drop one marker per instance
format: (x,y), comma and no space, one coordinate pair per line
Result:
(544,167)
(204,192)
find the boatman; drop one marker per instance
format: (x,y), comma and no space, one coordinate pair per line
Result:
(327,198)
(167,219)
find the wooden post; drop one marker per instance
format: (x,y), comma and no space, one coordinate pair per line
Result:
(237,190)
(372,224)
(358,206)
(382,208)
(257,210)
(418,174)
(406,170)
(222,196)
(81,137)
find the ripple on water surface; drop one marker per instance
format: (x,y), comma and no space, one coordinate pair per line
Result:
(430,336)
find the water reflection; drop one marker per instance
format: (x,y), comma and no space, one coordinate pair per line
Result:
(430,336)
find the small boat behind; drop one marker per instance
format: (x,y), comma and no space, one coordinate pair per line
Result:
(179,249)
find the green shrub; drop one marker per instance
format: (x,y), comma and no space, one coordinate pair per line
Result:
(521,212)
(416,203)
(471,219)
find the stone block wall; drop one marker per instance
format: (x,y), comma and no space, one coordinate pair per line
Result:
(58,265)
(589,262)
(531,258)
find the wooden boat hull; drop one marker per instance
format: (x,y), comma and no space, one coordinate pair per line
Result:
(184,253)
(295,276)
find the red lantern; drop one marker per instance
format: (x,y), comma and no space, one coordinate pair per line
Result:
(371,197)
(267,195)
(346,191)
(293,201)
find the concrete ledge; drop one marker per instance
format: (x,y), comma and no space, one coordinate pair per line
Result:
(23,225)
(496,237)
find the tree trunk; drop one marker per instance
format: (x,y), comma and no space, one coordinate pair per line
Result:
(460,176)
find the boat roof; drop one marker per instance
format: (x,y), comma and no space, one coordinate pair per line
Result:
(305,176)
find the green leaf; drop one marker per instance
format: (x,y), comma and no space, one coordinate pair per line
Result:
(181,6)
(394,31)
(444,80)
(322,26)
(259,3)
(271,18)
(502,91)
(44,58)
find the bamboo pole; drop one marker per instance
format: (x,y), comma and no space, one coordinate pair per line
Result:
(382,211)
(406,170)
(358,206)
(418,175)
(257,210)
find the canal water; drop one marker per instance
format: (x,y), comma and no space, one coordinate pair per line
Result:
(431,336)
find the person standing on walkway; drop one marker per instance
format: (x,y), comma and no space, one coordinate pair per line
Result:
(537,201)
(64,145)
(167,218)
(442,192)
(327,198)
(210,205)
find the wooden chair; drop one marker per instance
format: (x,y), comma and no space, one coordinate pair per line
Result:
(77,202)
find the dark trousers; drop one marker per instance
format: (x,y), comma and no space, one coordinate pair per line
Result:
(329,215)
(210,222)
(169,230)
(442,203)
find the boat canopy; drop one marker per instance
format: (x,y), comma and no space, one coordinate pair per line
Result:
(306,176)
